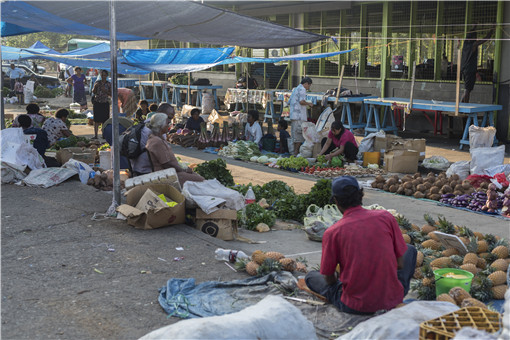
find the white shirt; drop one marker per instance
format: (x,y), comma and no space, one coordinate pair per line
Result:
(253,133)
(16,73)
(298,111)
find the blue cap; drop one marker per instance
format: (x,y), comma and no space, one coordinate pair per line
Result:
(340,183)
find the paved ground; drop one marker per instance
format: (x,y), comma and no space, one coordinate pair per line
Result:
(67,276)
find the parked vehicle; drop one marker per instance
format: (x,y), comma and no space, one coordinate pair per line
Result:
(47,81)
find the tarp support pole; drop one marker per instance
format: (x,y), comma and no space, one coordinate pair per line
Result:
(2,104)
(115,105)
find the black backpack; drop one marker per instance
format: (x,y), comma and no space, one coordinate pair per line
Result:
(129,141)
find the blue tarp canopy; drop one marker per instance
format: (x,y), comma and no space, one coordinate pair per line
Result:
(188,21)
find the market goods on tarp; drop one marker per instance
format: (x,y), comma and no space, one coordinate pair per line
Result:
(251,268)
(263,263)
(487,259)
(258,256)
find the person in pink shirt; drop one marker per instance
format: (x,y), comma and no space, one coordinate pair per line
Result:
(376,265)
(340,141)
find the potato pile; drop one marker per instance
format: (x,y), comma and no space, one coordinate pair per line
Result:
(431,186)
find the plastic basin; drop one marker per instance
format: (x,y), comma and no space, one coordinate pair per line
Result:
(444,284)
(371,158)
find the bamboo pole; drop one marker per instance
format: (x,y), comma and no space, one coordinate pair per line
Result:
(411,95)
(339,85)
(457,89)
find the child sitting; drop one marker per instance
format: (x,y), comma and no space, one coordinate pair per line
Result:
(152,108)
(284,136)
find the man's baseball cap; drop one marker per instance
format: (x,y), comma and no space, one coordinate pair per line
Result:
(340,183)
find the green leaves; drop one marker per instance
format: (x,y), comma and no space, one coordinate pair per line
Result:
(216,169)
(253,214)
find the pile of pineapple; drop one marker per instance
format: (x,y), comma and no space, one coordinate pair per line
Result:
(487,258)
(263,263)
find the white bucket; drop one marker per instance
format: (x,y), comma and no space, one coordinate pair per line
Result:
(105,160)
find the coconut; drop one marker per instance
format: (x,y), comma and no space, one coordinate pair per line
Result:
(393,188)
(434,190)
(408,192)
(421,188)
(419,194)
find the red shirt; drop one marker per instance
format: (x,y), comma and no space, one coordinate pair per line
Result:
(366,244)
(347,136)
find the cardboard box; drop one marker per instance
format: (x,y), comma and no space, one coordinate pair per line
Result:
(316,149)
(409,144)
(154,217)
(221,223)
(401,161)
(150,200)
(87,156)
(166,176)
(419,145)
(382,144)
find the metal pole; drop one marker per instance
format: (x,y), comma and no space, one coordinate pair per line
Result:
(2,113)
(115,106)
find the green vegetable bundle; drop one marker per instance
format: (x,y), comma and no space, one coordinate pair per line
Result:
(292,162)
(216,169)
(253,214)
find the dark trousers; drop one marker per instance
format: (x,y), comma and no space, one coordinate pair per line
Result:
(315,281)
(13,82)
(350,150)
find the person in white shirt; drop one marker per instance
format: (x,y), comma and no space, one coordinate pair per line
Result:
(298,115)
(253,131)
(15,73)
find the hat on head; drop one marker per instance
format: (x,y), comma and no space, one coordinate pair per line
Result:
(340,183)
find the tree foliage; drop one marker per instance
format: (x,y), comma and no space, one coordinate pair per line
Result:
(56,41)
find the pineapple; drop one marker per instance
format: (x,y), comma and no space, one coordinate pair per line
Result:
(288,264)
(274,255)
(428,229)
(481,287)
(472,302)
(500,264)
(431,244)
(458,294)
(498,292)
(465,232)
(501,252)
(240,264)
(407,238)
(450,252)
(478,235)
(418,274)
(268,266)
(482,246)
(497,278)
(429,220)
(491,240)
(457,259)
(415,227)
(258,256)
(446,297)
(470,268)
(481,263)
(445,226)
(404,223)
(470,258)
(433,236)
(442,262)
(419,259)
(301,267)
(427,282)
(489,257)
(416,237)
(251,268)
(464,240)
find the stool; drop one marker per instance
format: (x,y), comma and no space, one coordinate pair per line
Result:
(373,114)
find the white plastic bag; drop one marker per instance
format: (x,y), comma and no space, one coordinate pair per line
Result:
(306,149)
(207,103)
(460,168)
(15,150)
(367,143)
(48,177)
(324,122)
(309,132)
(81,168)
(208,195)
(481,137)
(485,158)
(436,162)
(290,143)
(505,168)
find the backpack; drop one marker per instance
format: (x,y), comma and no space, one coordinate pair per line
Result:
(129,141)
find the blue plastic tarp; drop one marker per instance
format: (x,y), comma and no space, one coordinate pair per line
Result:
(295,57)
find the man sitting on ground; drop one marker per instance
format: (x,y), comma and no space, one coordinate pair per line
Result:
(41,140)
(376,265)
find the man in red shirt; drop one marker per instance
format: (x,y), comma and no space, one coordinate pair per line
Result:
(376,265)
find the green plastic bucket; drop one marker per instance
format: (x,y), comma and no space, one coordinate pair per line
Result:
(444,284)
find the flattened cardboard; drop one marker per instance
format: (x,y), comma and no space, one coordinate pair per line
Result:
(451,241)
(221,224)
(401,161)
(150,200)
(154,218)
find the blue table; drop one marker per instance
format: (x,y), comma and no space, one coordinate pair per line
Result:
(247,97)
(165,89)
(470,110)
(176,95)
(121,82)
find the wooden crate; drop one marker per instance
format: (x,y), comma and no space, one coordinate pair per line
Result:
(445,326)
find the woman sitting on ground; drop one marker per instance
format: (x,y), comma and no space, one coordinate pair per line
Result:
(340,141)
(142,111)
(160,152)
(33,113)
(193,122)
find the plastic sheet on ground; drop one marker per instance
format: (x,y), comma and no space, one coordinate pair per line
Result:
(400,323)
(485,158)
(183,298)
(48,177)
(210,194)
(16,152)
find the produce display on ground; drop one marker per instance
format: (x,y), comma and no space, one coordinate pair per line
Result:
(476,193)
(487,258)
(240,150)
(262,263)
(215,169)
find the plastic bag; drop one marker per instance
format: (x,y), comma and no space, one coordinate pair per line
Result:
(318,219)
(367,143)
(460,168)
(290,143)
(48,177)
(324,122)
(207,103)
(81,168)
(436,162)
(306,149)
(309,132)
(481,137)
(485,158)
(209,194)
